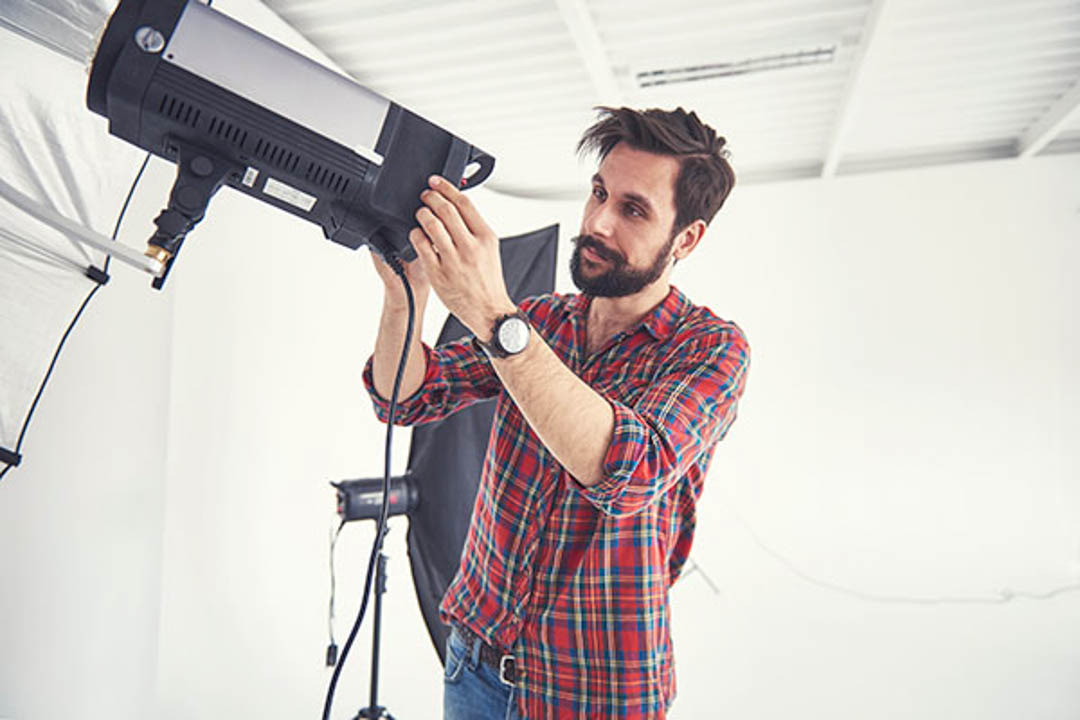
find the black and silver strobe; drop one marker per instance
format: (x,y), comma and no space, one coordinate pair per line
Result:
(233,107)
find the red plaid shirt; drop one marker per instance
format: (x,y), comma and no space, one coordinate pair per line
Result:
(575,579)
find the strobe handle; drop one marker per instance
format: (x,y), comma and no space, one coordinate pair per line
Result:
(486,165)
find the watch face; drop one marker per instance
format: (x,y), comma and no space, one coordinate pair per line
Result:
(514,335)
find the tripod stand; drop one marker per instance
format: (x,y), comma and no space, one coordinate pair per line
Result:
(374,711)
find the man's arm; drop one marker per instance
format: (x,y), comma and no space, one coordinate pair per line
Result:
(626,456)
(672,429)
(460,256)
(437,382)
(393,327)
(572,420)
(387,355)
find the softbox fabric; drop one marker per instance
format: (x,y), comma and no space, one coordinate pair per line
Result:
(68,27)
(57,163)
(446,457)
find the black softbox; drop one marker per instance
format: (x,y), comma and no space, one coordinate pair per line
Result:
(446,457)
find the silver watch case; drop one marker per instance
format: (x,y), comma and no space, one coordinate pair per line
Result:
(509,336)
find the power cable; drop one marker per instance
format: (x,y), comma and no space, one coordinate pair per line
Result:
(1004,595)
(380,531)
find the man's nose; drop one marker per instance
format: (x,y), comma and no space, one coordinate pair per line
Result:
(599,221)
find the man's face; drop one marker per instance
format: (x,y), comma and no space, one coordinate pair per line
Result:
(627,234)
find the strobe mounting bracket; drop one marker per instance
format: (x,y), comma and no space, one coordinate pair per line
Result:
(200,174)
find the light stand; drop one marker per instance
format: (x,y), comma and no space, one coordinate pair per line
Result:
(362,500)
(374,710)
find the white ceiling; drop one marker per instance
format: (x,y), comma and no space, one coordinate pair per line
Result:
(910,82)
(907,83)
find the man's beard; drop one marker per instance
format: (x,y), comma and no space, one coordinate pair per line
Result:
(619,280)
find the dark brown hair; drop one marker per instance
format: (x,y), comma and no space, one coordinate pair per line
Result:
(705,178)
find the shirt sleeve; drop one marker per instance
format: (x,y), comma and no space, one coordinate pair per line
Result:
(675,425)
(457,375)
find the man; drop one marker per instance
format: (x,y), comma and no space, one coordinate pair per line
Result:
(610,405)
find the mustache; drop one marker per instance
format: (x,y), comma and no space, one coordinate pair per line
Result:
(588,241)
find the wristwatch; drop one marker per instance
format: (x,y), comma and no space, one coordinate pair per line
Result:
(509,336)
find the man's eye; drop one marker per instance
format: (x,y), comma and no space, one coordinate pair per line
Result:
(634,210)
(599,193)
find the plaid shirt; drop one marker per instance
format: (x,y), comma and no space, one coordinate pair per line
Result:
(575,579)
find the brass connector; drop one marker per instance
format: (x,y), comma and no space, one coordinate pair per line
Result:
(158,253)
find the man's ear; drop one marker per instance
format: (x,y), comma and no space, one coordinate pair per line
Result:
(688,239)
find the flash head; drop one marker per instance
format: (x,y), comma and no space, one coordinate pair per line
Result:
(362,499)
(232,107)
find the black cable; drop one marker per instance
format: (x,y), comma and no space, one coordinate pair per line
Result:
(71,325)
(380,531)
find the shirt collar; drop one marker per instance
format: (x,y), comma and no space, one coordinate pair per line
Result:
(660,322)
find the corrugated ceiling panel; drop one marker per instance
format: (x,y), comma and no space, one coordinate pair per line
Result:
(504,74)
(946,81)
(953,76)
(771,118)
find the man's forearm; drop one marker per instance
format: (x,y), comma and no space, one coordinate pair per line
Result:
(572,420)
(459,253)
(392,328)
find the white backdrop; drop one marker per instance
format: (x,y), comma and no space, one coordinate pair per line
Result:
(905,452)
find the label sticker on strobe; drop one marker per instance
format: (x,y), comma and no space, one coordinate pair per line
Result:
(249,177)
(289,194)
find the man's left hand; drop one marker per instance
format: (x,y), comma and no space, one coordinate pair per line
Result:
(460,255)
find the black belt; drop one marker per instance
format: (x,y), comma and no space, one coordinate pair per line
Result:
(501,662)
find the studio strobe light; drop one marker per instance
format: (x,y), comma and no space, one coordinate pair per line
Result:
(363,499)
(233,107)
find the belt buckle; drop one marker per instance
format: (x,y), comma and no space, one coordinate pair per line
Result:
(506,665)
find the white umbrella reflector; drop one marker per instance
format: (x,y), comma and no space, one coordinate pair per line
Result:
(60,171)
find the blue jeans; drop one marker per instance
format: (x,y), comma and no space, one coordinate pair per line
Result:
(472,689)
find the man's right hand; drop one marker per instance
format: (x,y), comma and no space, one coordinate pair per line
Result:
(395,297)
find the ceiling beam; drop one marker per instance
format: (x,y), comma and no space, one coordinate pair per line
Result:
(583,31)
(849,102)
(1053,121)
